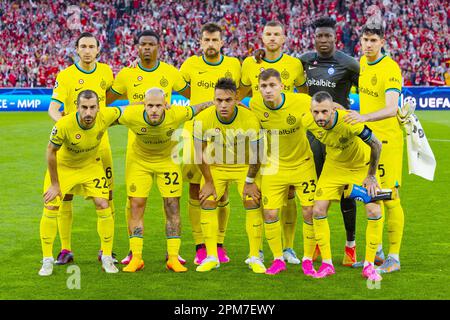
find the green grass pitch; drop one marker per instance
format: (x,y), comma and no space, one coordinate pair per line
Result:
(425,254)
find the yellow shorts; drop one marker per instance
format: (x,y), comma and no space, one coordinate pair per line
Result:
(275,187)
(224,176)
(106,157)
(89,181)
(139,175)
(390,165)
(333,179)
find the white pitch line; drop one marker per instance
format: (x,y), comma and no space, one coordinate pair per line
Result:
(439,140)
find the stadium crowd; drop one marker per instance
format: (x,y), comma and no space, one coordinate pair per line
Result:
(37,40)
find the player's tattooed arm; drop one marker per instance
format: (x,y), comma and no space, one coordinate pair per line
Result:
(197,108)
(375,150)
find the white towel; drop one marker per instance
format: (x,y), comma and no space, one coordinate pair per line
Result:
(421,159)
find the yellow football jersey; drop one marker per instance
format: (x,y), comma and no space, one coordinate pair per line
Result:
(154,142)
(134,82)
(375,79)
(344,142)
(79,146)
(203,75)
(291,148)
(290,69)
(72,80)
(228,142)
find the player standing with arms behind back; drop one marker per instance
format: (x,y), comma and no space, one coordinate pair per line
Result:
(328,69)
(202,73)
(380,85)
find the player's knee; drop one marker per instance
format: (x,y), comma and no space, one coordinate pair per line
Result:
(172,206)
(291,193)
(373,211)
(68,197)
(101,203)
(307,213)
(194,190)
(209,204)
(270,215)
(137,204)
(319,212)
(52,208)
(250,204)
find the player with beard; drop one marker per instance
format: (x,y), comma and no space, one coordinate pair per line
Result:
(202,73)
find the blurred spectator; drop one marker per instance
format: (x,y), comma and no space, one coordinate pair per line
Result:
(38,36)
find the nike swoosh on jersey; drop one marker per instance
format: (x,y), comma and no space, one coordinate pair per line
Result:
(74,144)
(76,89)
(173,191)
(202,72)
(311,68)
(137,84)
(264,120)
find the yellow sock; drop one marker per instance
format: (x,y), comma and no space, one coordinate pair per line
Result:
(113,209)
(254,226)
(396,221)
(48,229)
(209,224)
(136,246)
(223,215)
(194,211)
(289,223)
(128,214)
(173,247)
(65,219)
(322,234)
(105,229)
(309,240)
(273,236)
(374,233)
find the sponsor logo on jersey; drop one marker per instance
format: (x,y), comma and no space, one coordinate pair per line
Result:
(321,83)
(206,84)
(368,92)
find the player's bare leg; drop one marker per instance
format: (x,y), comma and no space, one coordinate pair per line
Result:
(136,232)
(173,233)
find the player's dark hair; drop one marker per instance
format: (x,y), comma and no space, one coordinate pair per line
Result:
(87,94)
(226,84)
(268,73)
(324,22)
(211,27)
(148,33)
(86,35)
(373,28)
(274,23)
(322,96)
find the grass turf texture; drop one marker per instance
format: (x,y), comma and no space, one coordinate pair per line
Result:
(425,251)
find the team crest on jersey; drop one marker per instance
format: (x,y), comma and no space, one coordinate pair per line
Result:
(103,84)
(343,140)
(54,131)
(319,192)
(78,136)
(320,134)
(374,80)
(169,133)
(228,74)
(285,74)
(81,81)
(190,175)
(143,129)
(163,82)
(139,78)
(133,187)
(291,120)
(331,70)
(265,200)
(266,114)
